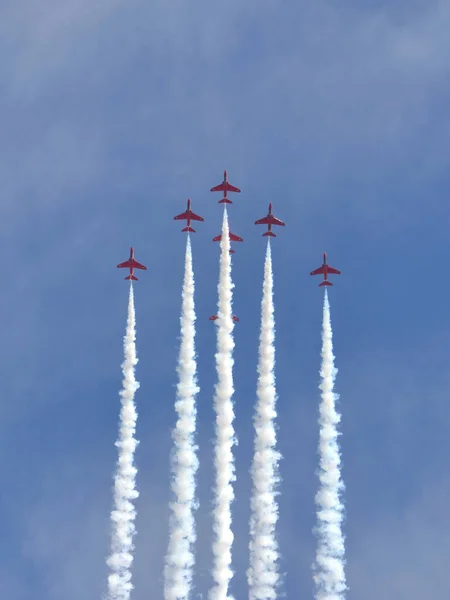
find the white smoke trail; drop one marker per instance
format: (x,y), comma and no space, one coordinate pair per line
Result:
(123,514)
(263,573)
(225,439)
(329,568)
(180,556)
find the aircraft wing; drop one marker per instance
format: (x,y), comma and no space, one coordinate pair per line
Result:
(218,188)
(125,265)
(195,217)
(221,188)
(137,265)
(235,238)
(263,221)
(333,271)
(318,271)
(269,220)
(217,238)
(184,215)
(215,317)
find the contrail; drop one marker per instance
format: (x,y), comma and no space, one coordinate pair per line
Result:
(225,439)
(263,573)
(329,573)
(180,555)
(123,514)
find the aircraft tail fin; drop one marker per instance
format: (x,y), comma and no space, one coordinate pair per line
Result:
(269,233)
(189,229)
(131,277)
(325,283)
(225,201)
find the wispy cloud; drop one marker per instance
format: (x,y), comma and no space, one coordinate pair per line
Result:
(347,79)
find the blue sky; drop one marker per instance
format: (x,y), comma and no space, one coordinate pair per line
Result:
(112,115)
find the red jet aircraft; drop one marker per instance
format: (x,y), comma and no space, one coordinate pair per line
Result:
(269,220)
(131,264)
(225,187)
(326,270)
(233,238)
(215,317)
(188,216)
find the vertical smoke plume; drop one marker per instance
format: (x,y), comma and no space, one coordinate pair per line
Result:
(329,568)
(223,405)
(123,514)
(263,572)
(180,555)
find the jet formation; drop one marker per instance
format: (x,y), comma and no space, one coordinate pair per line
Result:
(270,220)
(226,187)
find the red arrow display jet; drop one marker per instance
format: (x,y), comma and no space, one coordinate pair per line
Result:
(225,187)
(326,270)
(215,317)
(233,238)
(188,216)
(269,220)
(131,264)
